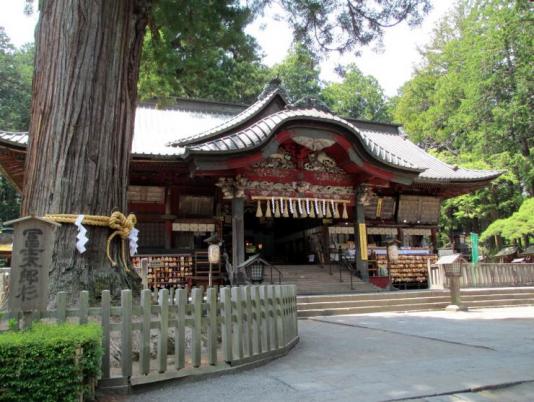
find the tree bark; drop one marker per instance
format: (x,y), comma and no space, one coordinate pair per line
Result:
(83,109)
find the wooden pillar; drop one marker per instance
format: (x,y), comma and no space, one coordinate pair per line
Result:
(359,217)
(434,240)
(168,222)
(238,231)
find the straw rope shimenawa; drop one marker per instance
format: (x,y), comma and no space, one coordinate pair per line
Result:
(120,224)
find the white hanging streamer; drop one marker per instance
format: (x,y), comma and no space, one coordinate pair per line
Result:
(281,205)
(273,204)
(300,206)
(133,237)
(81,236)
(324,208)
(317,210)
(308,206)
(291,205)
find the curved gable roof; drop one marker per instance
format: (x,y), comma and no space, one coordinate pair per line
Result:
(265,100)
(260,132)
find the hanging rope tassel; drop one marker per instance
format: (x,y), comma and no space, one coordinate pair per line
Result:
(276,209)
(345,214)
(259,212)
(268,210)
(311,211)
(294,211)
(335,208)
(285,211)
(318,209)
(328,212)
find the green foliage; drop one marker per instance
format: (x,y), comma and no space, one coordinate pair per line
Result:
(358,95)
(345,25)
(16,70)
(299,72)
(199,50)
(49,362)
(9,201)
(517,226)
(470,101)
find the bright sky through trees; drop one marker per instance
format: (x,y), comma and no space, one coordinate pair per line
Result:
(392,66)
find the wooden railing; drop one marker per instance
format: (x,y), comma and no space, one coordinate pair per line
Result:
(485,275)
(186,334)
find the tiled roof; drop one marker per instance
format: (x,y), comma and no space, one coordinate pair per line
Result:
(259,132)
(156,128)
(434,170)
(14,138)
(233,121)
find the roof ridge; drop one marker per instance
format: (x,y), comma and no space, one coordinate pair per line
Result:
(235,120)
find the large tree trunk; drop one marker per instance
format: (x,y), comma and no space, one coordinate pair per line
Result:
(83,109)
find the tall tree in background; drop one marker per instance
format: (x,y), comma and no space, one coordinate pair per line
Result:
(83,108)
(472,101)
(200,50)
(16,69)
(299,72)
(359,96)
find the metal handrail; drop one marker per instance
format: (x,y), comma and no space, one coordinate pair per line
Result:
(343,262)
(280,276)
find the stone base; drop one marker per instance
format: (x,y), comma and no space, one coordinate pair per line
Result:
(454,307)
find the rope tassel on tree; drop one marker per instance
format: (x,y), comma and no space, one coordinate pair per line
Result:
(122,226)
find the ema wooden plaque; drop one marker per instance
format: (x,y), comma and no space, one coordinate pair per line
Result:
(30,263)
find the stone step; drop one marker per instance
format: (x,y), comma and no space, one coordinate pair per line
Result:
(371,302)
(407,301)
(372,309)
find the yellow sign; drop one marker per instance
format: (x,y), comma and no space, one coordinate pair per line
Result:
(363,241)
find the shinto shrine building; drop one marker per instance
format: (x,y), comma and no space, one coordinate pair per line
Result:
(294,182)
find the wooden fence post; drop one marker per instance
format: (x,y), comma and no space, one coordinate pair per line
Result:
(258,321)
(212,325)
(279,316)
(238,327)
(266,322)
(84,307)
(273,317)
(248,332)
(61,310)
(126,333)
(106,329)
(144,355)
(163,329)
(179,331)
(196,297)
(227,324)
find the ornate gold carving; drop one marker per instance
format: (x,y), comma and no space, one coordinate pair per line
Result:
(232,187)
(321,162)
(280,160)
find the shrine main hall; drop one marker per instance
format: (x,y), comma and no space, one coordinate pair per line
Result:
(295,183)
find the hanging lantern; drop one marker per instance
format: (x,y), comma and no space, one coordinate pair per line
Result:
(268,210)
(345,215)
(259,212)
(335,208)
(276,209)
(285,212)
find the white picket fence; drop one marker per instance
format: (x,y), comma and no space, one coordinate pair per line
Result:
(484,275)
(188,333)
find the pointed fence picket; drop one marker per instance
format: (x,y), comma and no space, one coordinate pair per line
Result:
(177,333)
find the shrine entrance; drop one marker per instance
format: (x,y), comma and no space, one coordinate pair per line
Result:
(284,240)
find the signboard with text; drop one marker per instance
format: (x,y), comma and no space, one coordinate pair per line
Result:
(32,256)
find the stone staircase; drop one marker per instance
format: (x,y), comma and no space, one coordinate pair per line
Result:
(316,280)
(309,306)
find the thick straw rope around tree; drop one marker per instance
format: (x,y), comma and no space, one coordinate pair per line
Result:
(120,224)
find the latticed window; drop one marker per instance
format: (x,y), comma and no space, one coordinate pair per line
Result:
(199,206)
(151,234)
